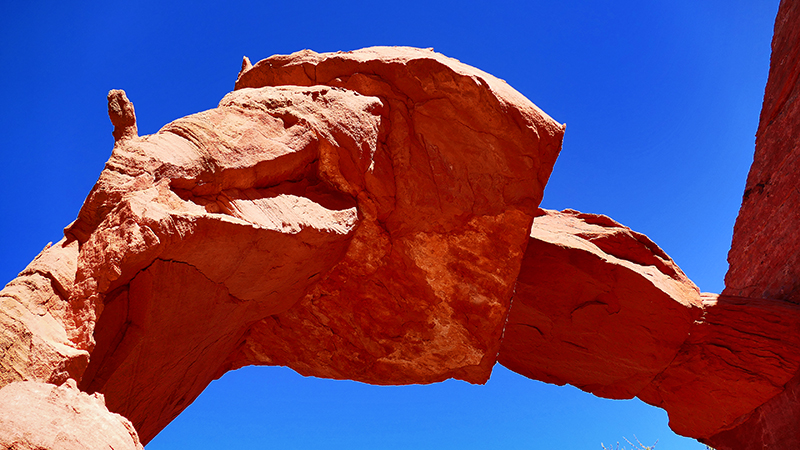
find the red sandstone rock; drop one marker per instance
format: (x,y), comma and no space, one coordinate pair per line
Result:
(596,305)
(366,223)
(365,216)
(765,253)
(192,234)
(36,320)
(737,356)
(41,416)
(603,308)
(773,425)
(422,292)
(122,115)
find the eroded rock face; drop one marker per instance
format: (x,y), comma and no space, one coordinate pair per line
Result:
(423,290)
(601,307)
(773,425)
(370,215)
(366,223)
(36,320)
(194,233)
(584,311)
(43,416)
(737,356)
(765,253)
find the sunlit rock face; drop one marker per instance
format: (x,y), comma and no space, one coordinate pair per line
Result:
(422,292)
(43,416)
(603,308)
(765,254)
(355,215)
(35,320)
(373,215)
(194,233)
(597,305)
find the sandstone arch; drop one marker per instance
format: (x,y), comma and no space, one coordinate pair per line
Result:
(396,188)
(390,187)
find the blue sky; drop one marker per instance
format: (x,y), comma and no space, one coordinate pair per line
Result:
(661,101)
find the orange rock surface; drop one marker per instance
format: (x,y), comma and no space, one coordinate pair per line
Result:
(369,215)
(194,233)
(733,380)
(737,356)
(366,223)
(597,306)
(765,253)
(36,320)
(43,416)
(601,307)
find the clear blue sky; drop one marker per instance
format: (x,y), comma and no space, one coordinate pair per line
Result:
(661,99)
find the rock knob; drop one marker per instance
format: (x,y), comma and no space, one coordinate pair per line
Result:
(246,65)
(122,115)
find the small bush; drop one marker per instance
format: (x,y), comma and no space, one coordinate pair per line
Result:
(637,446)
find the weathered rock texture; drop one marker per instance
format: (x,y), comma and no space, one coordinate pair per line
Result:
(194,233)
(355,215)
(37,416)
(603,308)
(765,253)
(122,115)
(36,320)
(423,290)
(732,379)
(584,308)
(370,216)
(737,356)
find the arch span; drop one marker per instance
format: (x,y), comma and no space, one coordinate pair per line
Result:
(371,215)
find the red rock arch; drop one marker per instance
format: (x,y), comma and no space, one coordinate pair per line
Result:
(367,215)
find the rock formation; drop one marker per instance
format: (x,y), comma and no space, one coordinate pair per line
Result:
(122,115)
(354,215)
(734,380)
(35,317)
(583,308)
(373,215)
(583,314)
(36,416)
(422,293)
(737,356)
(765,254)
